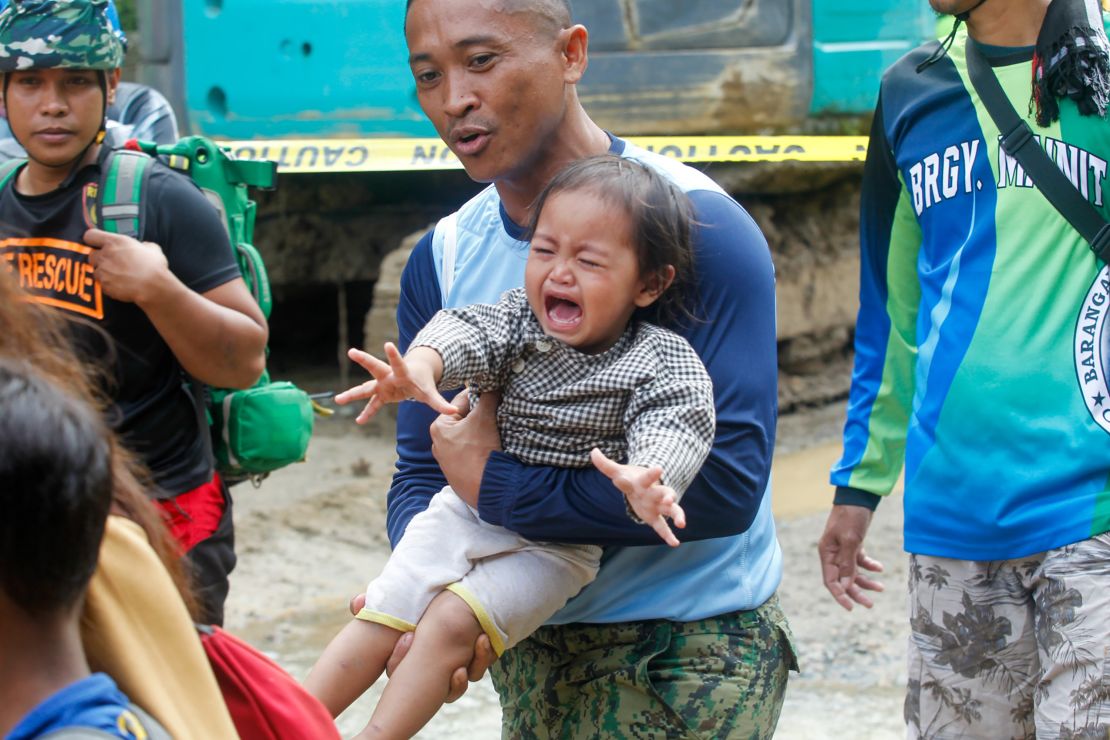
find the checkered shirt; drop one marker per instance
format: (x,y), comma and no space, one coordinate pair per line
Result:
(647,400)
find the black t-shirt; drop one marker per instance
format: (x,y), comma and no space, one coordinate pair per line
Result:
(41,240)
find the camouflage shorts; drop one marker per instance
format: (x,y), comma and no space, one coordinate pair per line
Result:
(1012,648)
(715,678)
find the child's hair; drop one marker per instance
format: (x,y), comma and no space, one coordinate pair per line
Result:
(661,216)
(55,491)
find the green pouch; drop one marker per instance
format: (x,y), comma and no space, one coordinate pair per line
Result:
(260,429)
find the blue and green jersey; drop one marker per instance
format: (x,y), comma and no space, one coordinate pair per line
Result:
(980,352)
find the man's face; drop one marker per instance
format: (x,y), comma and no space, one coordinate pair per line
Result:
(491,82)
(55,113)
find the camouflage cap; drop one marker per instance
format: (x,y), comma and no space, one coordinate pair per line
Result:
(43,34)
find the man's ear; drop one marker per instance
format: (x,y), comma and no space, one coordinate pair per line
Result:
(113,84)
(574,41)
(653,286)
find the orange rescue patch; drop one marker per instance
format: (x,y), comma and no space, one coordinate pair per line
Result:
(56,273)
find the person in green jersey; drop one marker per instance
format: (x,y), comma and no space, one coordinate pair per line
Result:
(981,368)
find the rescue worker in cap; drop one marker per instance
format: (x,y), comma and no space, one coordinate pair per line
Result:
(151,313)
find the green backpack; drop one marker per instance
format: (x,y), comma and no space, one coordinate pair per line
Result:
(262,428)
(265,427)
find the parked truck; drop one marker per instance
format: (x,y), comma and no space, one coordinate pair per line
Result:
(289,76)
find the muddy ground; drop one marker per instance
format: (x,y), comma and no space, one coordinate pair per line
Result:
(314,533)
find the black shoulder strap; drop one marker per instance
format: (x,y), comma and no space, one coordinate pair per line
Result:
(1019,142)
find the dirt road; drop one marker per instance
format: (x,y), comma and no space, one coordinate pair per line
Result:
(313,535)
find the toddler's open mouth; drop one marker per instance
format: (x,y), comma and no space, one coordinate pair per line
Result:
(562,313)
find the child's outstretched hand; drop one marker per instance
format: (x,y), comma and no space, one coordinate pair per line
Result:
(399,380)
(651,500)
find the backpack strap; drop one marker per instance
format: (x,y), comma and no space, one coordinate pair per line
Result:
(1020,143)
(8,171)
(153,728)
(140,725)
(123,179)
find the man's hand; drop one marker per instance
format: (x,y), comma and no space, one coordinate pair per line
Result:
(461,678)
(653,502)
(218,336)
(841,551)
(128,270)
(462,443)
(399,380)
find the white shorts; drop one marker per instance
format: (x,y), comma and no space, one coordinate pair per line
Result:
(512,584)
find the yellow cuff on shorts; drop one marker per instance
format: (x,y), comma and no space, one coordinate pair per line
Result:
(483,616)
(386,619)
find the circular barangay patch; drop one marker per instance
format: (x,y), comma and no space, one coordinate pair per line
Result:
(1091,350)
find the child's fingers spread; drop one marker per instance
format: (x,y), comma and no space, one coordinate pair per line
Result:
(678,516)
(396,361)
(604,464)
(368,362)
(357,355)
(369,411)
(381,370)
(462,402)
(645,481)
(439,403)
(664,531)
(358,393)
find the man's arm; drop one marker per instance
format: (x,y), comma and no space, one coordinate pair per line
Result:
(218,337)
(734,335)
(883,377)
(187,283)
(886,331)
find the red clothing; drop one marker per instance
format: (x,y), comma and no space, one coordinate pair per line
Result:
(194,515)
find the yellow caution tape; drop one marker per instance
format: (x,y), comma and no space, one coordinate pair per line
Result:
(392,155)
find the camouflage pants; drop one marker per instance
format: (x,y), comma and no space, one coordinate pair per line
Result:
(715,678)
(1011,649)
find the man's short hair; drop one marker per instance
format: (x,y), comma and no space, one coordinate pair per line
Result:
(556,13)
(55,491)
